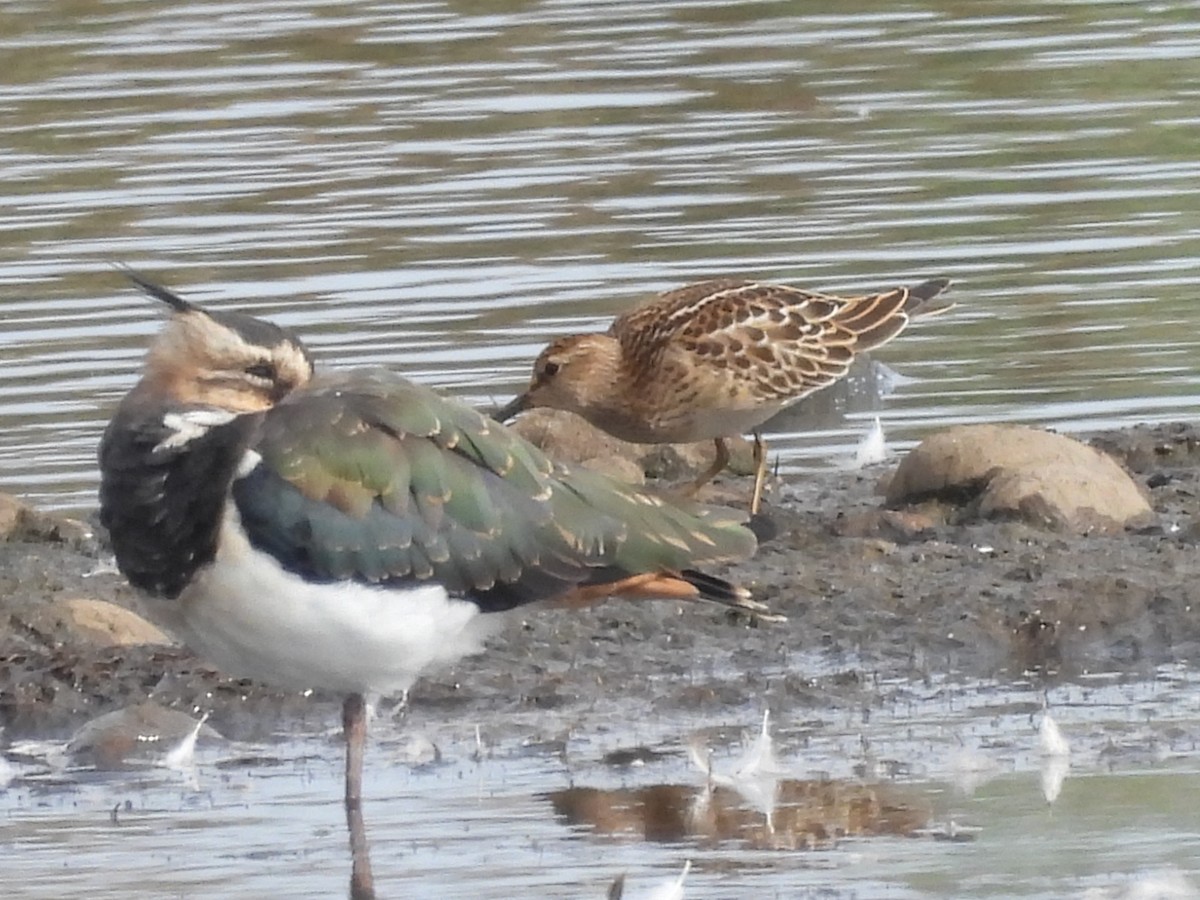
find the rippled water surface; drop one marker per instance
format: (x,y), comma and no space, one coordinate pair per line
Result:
(443,187)
(961,803)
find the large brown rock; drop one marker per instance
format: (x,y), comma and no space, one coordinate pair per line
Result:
(569,438)
(78,622)
(1013,471)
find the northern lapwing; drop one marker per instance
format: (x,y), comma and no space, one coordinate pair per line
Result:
(347,531)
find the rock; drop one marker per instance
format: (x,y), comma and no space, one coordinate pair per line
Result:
(897,526)
(12,511)
(108,625)
(1152,448)
(135,734)
(569,438)
(616,467)
(82,621)
(416,751)
(674,462)
(21,522)
(1012,471)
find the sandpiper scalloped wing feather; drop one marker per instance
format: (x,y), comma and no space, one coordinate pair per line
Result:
(786,341)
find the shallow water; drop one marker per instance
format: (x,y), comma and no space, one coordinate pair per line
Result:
(441,188)
(960,760)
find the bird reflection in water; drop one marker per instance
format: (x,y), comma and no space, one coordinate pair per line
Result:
(806,814)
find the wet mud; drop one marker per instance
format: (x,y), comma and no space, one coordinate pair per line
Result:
(875,600)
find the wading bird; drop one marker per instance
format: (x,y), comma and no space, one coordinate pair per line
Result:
(348,530)
(715,359)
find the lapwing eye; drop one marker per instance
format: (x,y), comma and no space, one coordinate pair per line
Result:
(265,371)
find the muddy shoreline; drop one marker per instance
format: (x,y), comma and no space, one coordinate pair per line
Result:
(867,615)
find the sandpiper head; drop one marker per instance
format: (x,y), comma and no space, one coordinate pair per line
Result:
(571,374)
(225,360)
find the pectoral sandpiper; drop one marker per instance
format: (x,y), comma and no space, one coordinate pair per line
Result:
(715,359)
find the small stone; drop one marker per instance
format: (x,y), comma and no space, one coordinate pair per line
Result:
(12,512)
(21,522)
(895,526)
(417,750)
(567,437)
(108,625)
(133,734)
(82,622)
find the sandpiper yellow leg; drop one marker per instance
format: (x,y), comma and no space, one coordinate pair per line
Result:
(719,463)
(760,473)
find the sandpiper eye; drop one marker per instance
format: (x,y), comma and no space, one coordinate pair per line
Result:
(550,369)
(265,371)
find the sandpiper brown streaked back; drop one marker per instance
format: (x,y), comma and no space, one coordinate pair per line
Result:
(715,359)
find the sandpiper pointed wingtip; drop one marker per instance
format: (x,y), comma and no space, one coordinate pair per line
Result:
(928,298)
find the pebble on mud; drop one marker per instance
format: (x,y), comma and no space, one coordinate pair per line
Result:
(105,624)
(133,735)
(895,526)
(1013,471)
(81,621)
(21,522)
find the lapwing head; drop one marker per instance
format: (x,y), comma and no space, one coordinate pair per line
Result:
(223,360)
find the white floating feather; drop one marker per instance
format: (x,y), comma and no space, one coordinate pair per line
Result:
(673,889)
(1050,738)
(668,890)
(756,776)
(183,755)
(872,448)
(1056,753)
